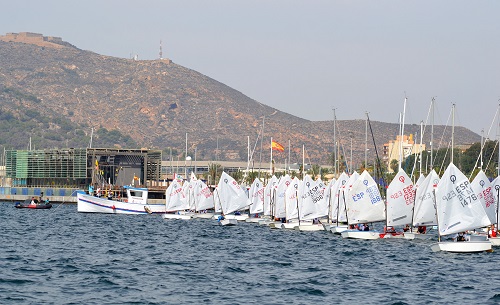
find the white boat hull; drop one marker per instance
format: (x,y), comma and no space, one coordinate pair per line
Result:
(92,204)
(253,219)
(228,222)
(289,225)
(495,241)
(338,229)
(309,227)
(176,216)
(242,217)
(355,234)
(203,215)
(462,247)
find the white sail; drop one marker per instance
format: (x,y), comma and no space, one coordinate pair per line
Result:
(344,194)
(420,180)
(364,203)
(256,195)
(484,191)
(217,205)
(400,199)
(176,199)
(232,196)
(329,197)
(458,207)
(269,195)
(291,200)
(424,213)
(337,199)
(204,199)
(313,203)
(279,198)
(496,194)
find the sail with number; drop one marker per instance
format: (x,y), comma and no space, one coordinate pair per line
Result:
(256,196)
(337,199)
(204,199)
(232,196)
(176,199)
(269,195)
(313,203)
(458,207)
(424,213)
(279,197)
(400,199)
(484,192)
(291,200)
(364,203)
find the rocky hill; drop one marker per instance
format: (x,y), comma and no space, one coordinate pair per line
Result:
(63,92)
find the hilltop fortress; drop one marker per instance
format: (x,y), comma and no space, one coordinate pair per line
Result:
(36,39)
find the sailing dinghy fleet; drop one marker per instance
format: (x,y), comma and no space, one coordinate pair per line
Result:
(351,206)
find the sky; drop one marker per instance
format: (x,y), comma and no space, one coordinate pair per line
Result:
(305,58)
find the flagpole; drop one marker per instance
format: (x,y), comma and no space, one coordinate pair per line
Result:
(271,163)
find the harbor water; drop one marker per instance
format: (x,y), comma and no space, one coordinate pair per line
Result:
(60,256)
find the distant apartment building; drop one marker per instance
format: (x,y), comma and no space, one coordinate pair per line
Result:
(392,149)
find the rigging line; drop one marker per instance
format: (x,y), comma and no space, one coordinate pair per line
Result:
(491,155)
(484,143)
(444,158)
(442,135)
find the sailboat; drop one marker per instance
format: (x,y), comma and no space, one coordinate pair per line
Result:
(269,192)
(278,208)
(458,210)
(400,200)
(292,205)
(256,196)
(343,185)
(204,200)
(312,205)
(175,201)
(232,198)
(484,192)
(364,205)
(494,238)
(424,211)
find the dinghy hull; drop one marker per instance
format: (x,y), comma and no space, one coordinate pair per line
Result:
(462,247)
(355,234)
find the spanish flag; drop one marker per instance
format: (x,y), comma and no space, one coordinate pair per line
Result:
(277,146)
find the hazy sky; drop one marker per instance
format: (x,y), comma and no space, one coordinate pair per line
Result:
(303,57)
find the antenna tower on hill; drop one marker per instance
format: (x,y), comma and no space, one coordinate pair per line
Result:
(161,53)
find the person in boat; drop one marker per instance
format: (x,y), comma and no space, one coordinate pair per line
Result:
(406,228)
(361,227)
(461,236)
(389,229)
(47,200)
(91,190)
(32,200)
(422,229)
(221,217)
(492,232)
(367,227)
(315,221)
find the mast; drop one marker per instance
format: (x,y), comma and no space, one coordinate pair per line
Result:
(366,140)
(261,141)
(481,151)
(271,162)
(303,160)
(432,133)
(421,141)
(402,134)
(452,130)
(334,143)
(289,157)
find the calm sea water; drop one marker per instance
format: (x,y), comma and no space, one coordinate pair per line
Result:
(60,256)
